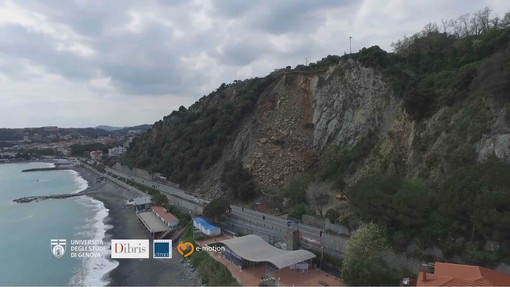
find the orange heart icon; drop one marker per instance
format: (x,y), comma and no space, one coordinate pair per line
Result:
(183,247)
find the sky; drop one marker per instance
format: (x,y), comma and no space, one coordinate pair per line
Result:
(122,62)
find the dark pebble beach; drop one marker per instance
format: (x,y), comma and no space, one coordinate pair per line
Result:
(126,225)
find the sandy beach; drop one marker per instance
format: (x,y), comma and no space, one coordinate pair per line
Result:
(125,225)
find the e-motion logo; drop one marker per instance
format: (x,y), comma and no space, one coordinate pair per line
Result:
(187,248)
(130,248)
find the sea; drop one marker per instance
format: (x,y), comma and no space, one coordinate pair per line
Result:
(26,229)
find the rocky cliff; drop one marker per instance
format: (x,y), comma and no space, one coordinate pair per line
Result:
(299,114)
(419,139)
(305,112)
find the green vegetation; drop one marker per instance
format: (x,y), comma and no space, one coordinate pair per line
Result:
(188,141)
(216,208)
(435,68)
(84,149)
(211,271)
(481,194)
(298,211)
(472,202)
(159,199)
(397,202)
(184,218)
(324,63)
(296,188)
(319,194)
(363,263)
(332,215)
(147,189)
(238,181)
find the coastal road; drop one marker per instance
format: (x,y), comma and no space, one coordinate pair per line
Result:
(161,187)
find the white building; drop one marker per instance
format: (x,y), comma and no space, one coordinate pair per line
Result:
(116,151)
(206,227)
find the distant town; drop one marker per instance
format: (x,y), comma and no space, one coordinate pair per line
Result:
(52,141)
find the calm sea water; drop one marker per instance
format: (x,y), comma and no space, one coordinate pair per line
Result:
(27,229)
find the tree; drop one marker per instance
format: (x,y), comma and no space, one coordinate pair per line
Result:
(159,199)
(238,181)
(299,211)
(296,188)
(216,208)
(318,195)
(505,22)
(363,262)
(333,215)
(399,202)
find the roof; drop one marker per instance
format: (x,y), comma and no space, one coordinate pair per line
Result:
(255,249)
(152,222)
(141,200)
(449,274)
(167,216)
(205,224)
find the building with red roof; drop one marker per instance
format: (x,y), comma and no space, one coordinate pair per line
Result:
(449,274)
(168,219)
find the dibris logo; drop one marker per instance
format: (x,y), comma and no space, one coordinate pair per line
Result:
(130,248)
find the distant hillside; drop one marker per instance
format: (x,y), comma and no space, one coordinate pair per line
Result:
(418,140)
(43,134)
(142,128)
(108,128)
(123,129)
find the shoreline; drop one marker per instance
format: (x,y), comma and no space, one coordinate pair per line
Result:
(124,224)
(94,271)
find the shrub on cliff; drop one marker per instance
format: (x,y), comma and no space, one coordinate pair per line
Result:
(238,181)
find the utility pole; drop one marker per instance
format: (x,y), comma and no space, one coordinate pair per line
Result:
(350,47)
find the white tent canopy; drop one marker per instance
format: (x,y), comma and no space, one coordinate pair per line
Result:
(255,249)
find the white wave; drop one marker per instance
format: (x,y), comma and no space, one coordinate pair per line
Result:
(94,270)
(50,164)
(80,181)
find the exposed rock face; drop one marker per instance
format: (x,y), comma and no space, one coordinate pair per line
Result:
(303,113)
(349,101)
(497,141)
(497,145)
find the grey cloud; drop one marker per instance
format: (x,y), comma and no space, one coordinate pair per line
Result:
(234,36)
(142,63)
(280,17)
(242,53)
(38,49)
(233,8)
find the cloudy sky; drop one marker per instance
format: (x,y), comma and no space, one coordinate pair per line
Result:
(84,63)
